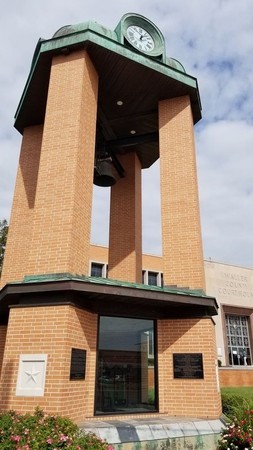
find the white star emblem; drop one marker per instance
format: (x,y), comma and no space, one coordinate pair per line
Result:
(32,374)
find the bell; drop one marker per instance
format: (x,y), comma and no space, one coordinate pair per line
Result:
(104,173)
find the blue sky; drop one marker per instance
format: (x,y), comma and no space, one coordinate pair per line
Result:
(214,42)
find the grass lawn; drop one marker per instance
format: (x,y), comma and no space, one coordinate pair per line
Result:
(243,391)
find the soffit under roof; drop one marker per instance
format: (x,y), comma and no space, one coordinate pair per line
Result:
(124,75)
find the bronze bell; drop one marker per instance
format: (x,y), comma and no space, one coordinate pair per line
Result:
(104,173)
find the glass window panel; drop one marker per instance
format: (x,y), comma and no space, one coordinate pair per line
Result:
(152,278)
(233,340)
(126,366)
(238,340)
(232,330)
(96,270)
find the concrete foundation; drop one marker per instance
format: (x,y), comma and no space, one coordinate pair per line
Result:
(160,433)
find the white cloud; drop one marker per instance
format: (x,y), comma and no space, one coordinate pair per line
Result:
(226,192)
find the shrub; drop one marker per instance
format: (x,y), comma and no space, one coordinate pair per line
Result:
(39,431)
(235,405)
(238,435)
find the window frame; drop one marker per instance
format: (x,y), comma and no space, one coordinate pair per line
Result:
(156,386)
(145,277)
(229,310)
(104,267)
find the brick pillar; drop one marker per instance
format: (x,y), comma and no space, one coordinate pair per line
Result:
(55,330)
(181,232)
(19,234)
(125,240)
(188,397)
(59,232)
(3,331)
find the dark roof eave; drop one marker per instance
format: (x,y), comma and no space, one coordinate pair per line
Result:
(131,294)
(46,48)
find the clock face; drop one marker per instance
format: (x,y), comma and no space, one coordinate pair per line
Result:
(140,38)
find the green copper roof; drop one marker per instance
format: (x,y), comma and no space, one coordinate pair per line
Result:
(105,45)
(106,296)
(109,282)
(89,25)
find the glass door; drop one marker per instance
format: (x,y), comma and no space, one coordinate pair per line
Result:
(126,366)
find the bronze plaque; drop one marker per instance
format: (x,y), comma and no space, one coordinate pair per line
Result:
(188,365)
(78,363)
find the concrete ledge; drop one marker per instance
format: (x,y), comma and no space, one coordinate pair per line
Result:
(160,433)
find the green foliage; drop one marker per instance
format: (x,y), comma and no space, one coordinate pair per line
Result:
(3,237)
(151,396)
(235,405)
(238,435)
(242,391)
(39,431)
(235,401)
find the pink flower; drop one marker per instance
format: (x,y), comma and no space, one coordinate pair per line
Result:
(49,440)
(15,438)
(63,438)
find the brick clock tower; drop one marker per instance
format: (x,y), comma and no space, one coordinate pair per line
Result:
(99,106)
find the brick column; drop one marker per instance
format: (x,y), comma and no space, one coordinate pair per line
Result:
(181,232)
(54,331)
(59,234)
(3,331)
(19,234)
(125,240)
(188,397)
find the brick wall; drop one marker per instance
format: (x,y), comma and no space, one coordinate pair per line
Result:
(99,253)
(125,240)
(19,234)
(181,233)
(240,376)
(53,331)
(3,331)
(188,397)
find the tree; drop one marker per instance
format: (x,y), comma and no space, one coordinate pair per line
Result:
(3,237)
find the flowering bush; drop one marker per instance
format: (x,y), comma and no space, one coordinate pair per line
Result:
(238,435)
(44,432)
(234,405)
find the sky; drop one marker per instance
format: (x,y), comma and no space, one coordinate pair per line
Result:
(214,42)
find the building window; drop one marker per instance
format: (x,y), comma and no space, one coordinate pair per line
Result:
(98,270)
(152,278)
(125,379)
(238,340)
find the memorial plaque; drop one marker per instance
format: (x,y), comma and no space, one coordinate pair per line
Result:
(188,365)
(78,363)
